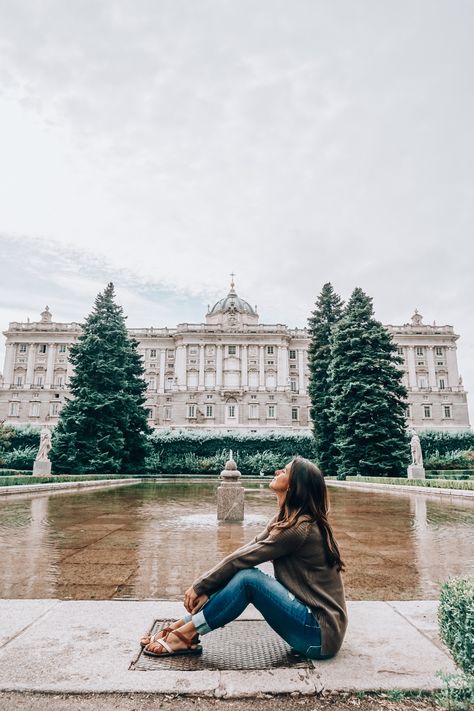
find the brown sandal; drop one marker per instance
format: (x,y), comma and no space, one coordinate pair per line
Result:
(149,638)
(192,646)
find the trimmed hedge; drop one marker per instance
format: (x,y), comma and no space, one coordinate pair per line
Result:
(26,481)
(450,474)
(456,620)
(439,483)
(15,472)
(445,442)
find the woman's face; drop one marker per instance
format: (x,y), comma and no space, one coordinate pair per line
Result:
(281,479)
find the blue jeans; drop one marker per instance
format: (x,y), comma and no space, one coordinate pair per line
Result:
(287,615)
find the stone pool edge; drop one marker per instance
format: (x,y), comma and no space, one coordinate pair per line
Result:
(401,488)
(64,486)
(76,646)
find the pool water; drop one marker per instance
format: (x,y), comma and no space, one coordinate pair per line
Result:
(151,540)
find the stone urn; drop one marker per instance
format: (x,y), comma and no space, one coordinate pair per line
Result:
(230,494)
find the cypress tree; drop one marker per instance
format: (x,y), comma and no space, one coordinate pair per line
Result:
(327,312)
(104,428)
(368,397)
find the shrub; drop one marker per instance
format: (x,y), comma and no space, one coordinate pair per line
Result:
(440,483)
(457,459)
(456,620)
(445,442)
(20,458)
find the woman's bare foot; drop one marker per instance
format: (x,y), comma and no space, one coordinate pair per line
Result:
(161,633)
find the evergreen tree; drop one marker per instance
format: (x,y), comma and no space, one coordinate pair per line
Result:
(104,428)
(368,397)
(327,312)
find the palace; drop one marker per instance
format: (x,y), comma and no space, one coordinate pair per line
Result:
(229,372)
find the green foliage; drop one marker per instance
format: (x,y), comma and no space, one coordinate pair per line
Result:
(104,428)
(439,483)
(367,394)
(25,436)
(435,443)
(21,458)
(327,313)
(458,691)
(450,474)
(6,434)
(456,620)
(15,472)
(190,463)
(70,478)
(456,459)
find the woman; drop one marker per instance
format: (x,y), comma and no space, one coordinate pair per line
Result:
(304,603)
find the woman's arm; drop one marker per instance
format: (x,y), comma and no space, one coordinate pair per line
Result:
(278,543)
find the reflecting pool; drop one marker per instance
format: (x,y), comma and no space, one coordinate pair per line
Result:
(151,540)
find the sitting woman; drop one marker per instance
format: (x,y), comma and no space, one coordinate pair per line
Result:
(304,603)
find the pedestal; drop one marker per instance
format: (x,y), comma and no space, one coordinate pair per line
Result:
(230,497)
(42,467)
(415,471)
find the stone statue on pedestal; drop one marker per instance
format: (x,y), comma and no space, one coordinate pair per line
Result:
(416,470)
(230,494)
(42,465)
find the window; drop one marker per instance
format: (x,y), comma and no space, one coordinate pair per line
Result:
(292,366)
(169,383)
(442,384)
(168,399)
(447,412)
(253,397)
(271,397)
(209,410)
(34,409)
(419,351)
(22,347)
(19,380)
(230,410)
(440,362)
(62,348)
(152,352)
(54,409)
(39,380)
(253,411)
(152,384)
(422,382)
(293,386)
(427,411)
(231,350)
(295,416)
(270,362)
(60,380)
(149,412)
(292,355)
(42,348)
(270,350)
(438,351)
(191,410)
(271,411)
(167,412)
(14,410)
(209,397)
(400,351)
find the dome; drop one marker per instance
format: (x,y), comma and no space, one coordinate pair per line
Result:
(232,302)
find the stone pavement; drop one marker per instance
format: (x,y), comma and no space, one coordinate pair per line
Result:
(88,646)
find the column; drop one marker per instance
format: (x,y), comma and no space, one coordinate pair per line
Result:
(282,381)
(411,367)
(219,366)
(9,364)
(30,368)
(261,371)
(69,368)
(161,382)
(431,367)
(180,365)
(244,379)
(50,364)
(301,370)
(201,368)
(452,363)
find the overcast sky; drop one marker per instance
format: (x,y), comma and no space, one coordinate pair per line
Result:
(162,145)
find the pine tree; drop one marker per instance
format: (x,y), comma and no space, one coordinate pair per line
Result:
(368,397)
(104,427)
(327,312)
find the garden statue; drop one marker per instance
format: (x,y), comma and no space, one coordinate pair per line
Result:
(230,494)
(42,465)
(416,470)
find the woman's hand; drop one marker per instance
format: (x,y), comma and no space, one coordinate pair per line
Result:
(192,601)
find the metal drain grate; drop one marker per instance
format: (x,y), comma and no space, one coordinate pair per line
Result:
(239,645)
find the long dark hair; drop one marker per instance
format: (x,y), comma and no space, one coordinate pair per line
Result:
(307,496)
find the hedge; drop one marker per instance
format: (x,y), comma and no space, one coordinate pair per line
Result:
(26,481)
(445,442)
(439,483)
(456,620)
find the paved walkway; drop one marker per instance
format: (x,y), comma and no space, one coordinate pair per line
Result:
(88,646)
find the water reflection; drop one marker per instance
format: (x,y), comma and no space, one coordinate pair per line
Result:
(152,540)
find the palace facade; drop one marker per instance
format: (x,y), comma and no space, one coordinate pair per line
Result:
(229,372)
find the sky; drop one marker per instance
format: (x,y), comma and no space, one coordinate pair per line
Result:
(163,145)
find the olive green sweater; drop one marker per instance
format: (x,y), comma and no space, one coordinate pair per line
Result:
(299,563)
